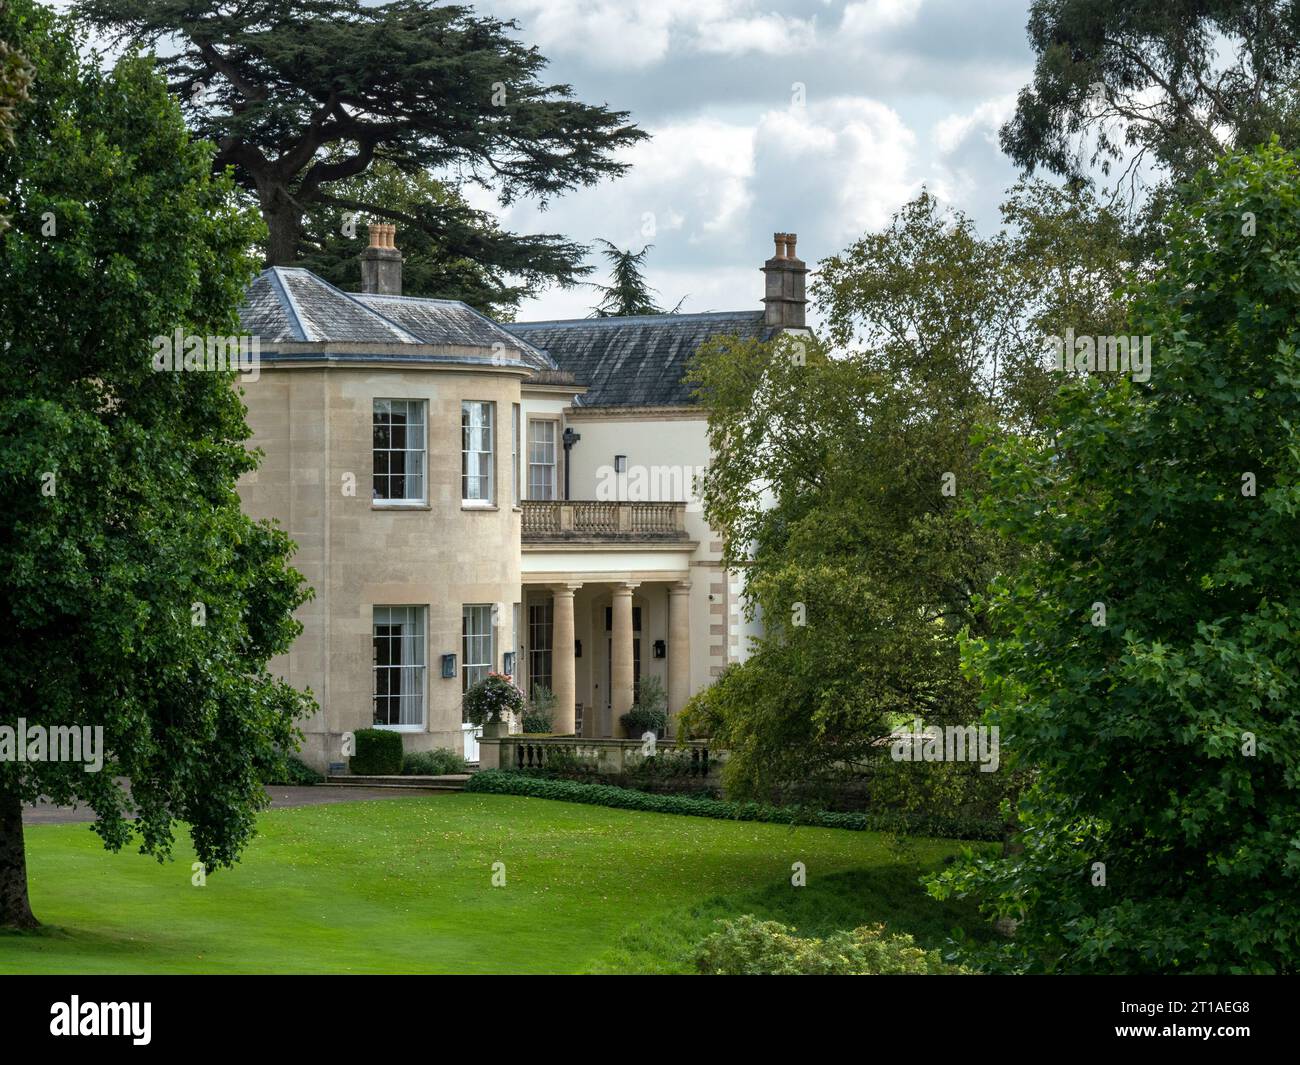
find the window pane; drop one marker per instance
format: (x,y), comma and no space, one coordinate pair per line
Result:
(398,449)
(399,668)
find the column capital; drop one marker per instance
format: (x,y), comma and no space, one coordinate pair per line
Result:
(679,588)
(566,589)
(621,587)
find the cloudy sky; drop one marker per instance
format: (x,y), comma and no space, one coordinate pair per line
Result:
(897,94)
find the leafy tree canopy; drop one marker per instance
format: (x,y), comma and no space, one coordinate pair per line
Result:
(841,481)
(1174,82)
(469,259)
(627,292)
(139,599)
(300,97)
(1144,660)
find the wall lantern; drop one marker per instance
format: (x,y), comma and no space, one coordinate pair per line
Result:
(620,464)
(508,663)
(577,648)
(448,667)
(661,649)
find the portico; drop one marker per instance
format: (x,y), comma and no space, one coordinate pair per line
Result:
(606,609)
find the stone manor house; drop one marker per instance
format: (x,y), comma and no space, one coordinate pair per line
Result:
(471,497)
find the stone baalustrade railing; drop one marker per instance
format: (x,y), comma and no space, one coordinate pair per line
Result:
(584,519)
(695,758)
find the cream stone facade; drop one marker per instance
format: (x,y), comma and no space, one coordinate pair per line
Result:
(469,497)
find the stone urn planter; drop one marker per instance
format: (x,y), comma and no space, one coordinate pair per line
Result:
(494,730)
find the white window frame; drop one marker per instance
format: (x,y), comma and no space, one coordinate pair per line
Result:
(516,460)
(468,407)
(416,670)
(552,485)
(476,613)
(415,458)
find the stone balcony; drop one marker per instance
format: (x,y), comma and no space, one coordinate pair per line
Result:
(557,521)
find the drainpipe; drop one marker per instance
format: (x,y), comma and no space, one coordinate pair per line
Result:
(569,438)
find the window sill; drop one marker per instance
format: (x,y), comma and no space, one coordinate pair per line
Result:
(469,504)
(399,728)
(386,504)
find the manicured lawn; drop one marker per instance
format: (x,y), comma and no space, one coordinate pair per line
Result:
(405,885)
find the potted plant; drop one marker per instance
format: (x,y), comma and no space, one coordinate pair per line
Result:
(490,702)
(539,715)
(649,713)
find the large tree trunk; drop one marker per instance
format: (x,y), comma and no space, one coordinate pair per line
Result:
(15,909)
(284,227)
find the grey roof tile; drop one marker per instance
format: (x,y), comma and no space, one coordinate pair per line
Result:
(288,304)
(636,361)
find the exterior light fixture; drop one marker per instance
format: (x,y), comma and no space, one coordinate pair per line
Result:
(448,667)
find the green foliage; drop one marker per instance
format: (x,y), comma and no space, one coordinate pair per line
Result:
(503,782)
(1175,83)
(886,891)
(455,252)
(294,772)
(379,753)
(15,80)
(627,293)
(868,566)
(539,714)
(435,763)
(121,511)
(1164,743)
(747,946)
(650,711)
(302,97)
(492,699)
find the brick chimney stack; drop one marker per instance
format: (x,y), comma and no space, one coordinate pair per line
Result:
(381,263)
(783,299)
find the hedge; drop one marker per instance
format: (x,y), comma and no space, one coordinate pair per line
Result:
(378,753)
(505,782)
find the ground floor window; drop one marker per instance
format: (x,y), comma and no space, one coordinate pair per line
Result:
(398,655)
(476,643)
(541,636)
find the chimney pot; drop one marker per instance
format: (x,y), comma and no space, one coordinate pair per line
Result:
(381,262)
(783,301)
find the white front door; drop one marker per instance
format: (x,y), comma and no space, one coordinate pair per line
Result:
(470,734)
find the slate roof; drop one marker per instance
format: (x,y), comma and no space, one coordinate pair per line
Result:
(293,305)
(635,361)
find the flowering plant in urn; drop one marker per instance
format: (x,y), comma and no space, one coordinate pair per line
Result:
(492,699)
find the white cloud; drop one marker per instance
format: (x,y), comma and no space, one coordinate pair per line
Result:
(871,16)
(615,34)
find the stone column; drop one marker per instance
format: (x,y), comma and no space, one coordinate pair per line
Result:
(621,679)
(679,649)
(563,667)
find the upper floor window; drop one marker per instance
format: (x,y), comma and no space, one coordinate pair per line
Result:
(541,459)
(476,451)
(399,450)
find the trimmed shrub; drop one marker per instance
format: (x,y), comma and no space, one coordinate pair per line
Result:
(435,763)
(747,946)
(293,772)
(379,753)
(505,782)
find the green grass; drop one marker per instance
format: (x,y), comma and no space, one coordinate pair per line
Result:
(404,885)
